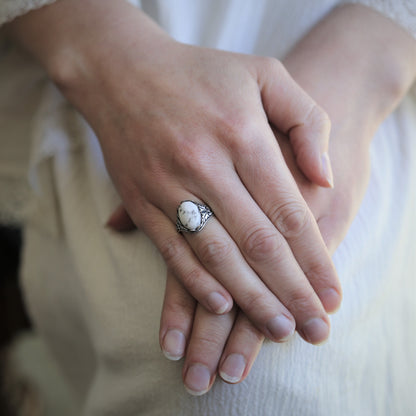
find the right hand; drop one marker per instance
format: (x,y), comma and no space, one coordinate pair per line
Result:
(228,345)
(178,122)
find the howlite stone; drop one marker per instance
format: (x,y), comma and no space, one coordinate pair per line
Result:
(189,215)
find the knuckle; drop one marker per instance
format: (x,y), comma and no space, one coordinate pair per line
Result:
(208,342)
(301,301)
(320,118)
(247,331)
(192,280)
(171,250)
(195,156)
(253,335)
(322,273)
(191,157)
(273,64)
(261,244)
(237,131)
(181,306)
(291,218)
(252,302)
(318,271)
(215,253)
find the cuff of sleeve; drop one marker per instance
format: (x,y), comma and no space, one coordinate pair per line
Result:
(10,9)
(403,12)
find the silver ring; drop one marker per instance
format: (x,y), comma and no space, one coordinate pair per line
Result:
(191,217)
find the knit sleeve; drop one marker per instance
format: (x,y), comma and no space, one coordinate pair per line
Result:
(403,12)
(10,9)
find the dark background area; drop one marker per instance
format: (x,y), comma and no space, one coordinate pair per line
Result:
(13,317)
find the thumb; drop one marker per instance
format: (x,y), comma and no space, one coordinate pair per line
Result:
(293,112)
(310,145)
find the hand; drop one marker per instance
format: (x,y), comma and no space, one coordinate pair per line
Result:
(229,344)
(209,339)
(213,344)
(175,123)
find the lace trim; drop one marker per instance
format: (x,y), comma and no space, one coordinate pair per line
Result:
(10,9)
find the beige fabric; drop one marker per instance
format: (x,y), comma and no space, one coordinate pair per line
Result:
(96,297)
(21,86)
(10,9)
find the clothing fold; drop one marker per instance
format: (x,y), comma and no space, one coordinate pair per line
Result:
(96,295)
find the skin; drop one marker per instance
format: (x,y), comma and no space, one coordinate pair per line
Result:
(357,99)
(174,124)
(228,345)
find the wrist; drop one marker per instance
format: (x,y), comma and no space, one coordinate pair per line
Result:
(74,40)
(365,62)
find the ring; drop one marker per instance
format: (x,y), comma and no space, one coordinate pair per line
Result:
(192,216)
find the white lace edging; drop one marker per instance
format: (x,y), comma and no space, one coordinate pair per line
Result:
(403,12)
(10,9)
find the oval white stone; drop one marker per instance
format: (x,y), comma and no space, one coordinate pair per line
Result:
(189,215)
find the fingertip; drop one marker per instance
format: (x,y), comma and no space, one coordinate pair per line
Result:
(317,169)
(315,331)
(316,166)
(218,303)
(197,379)
(331,299)
(310,150)
(326,169)
(232,369)
(174,344)
(280,328)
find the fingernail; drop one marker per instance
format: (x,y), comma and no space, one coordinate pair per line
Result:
(315,331)
(197,379)
(327,169)
(281,328)
(331,299)
(233,368)
(174,345)
(217,303)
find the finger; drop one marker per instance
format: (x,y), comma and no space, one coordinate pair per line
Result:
(269,256)
(223,259)
(209,334)
(296,114)
(279,198)
(176,319)
(311,150)
(120,220)
(241,350)
(183,263)
(283,289)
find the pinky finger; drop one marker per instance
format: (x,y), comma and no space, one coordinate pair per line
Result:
(176,319)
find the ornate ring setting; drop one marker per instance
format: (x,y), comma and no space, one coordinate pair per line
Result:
(192,217)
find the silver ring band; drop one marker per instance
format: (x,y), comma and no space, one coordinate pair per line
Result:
(191,217)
